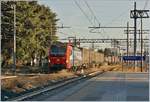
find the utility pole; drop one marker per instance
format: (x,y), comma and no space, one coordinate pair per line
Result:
(141,48)
(89,56)
(135,14)
(135,24)
(14,50)
(1,40)
(51,34)
(115,44)
(127,41)
(93,46)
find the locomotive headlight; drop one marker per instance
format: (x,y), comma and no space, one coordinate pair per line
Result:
(49,60)
(66,61)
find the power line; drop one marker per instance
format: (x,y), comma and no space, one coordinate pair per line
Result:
(145,5)
(63,33)
(146,2)
(91,11)
(83,11)
(69,28)
(116,18)
(94,16)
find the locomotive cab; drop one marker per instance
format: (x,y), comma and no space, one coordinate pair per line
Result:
(59,56)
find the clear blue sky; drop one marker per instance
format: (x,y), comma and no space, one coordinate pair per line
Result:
(108,12)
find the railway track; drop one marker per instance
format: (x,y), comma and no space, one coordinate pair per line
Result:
(55,86)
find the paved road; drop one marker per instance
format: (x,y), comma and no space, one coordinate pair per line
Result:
(110,86)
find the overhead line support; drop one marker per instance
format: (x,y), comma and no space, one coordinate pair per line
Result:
(135,14)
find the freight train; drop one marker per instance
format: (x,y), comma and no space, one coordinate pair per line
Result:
(65,55)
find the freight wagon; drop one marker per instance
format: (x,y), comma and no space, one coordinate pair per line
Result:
(91,57)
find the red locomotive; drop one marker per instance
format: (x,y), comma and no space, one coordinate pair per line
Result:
(63,55)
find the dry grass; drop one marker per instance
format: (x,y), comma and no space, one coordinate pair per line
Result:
(19,84)
(129,69)
(102,68)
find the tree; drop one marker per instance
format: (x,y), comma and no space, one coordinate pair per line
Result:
(35,28)
(6,32)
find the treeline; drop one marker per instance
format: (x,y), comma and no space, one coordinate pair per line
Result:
(35,30)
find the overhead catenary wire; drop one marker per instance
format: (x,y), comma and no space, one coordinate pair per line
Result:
(95,17)
(63,33)
(83,12)
(117,17)
(91,11)
(87,17)
(66,33)
(145,5)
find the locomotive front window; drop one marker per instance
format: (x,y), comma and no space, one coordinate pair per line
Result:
(62,50)
(57,50)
